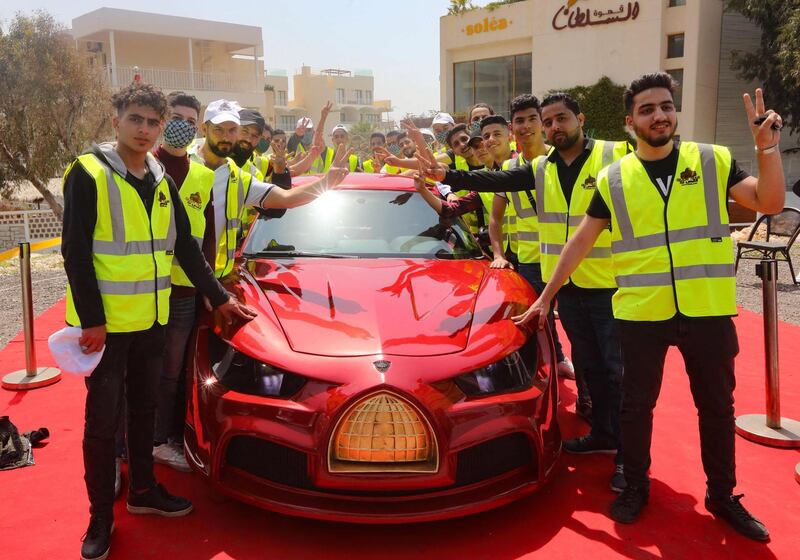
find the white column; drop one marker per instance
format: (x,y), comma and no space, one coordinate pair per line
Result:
(114,75)
(255,66)
(191,64)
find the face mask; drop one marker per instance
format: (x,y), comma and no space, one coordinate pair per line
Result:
(394,149)
(179,134)
(263,145)
(441,137)
(474,127)
(308,136)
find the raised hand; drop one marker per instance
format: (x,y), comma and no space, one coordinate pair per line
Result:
(764,135)
(342,156)
(279,162)
(429,167)
(300,130)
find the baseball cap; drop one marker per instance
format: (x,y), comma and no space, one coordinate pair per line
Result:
(474,137)
(305,120)
(222,110)
(443,118)
(427,132)
(339,127)
(251,116)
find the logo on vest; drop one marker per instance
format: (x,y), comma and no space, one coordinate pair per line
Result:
(590,183)
(194,201)
(688,177)
(162,200)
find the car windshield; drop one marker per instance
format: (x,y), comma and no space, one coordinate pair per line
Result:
(361,223)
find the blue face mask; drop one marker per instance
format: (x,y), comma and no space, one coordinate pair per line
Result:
(441,137)
(308,137)
(179,133)
(394,149)
(263,145)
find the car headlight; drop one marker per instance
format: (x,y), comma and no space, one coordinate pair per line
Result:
(513,373)
(244,374)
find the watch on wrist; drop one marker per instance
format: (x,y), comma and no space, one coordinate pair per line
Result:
(767,150)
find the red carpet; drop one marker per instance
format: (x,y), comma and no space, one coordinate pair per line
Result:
(43,509)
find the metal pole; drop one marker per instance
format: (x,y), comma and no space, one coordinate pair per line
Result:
(31,377)
(27,307)
(768,271)
(770,428)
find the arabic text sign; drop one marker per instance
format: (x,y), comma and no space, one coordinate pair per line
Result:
(572,16)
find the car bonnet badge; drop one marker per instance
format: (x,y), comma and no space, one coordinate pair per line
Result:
(382,365)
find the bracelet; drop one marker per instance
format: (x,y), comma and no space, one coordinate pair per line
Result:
(767,150)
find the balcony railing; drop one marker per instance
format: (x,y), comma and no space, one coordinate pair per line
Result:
(170,79)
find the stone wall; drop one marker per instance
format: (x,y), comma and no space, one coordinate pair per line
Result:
(27,225)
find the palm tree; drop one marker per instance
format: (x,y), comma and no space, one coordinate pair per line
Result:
(459,7)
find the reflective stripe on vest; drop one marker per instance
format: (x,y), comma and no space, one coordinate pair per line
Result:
(195,194)
(558,222)
(527,222)
(131,251)
(678,260)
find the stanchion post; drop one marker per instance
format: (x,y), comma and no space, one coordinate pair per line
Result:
(770,428)
(32,377)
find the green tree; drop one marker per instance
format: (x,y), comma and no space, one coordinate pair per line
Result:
(459,7)
(776,62)
(52,102)
(602,105)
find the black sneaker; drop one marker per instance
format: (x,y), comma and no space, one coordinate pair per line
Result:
(588,444)
(730,509)
(97,540)
(159,502)
(618,483)
(629,504)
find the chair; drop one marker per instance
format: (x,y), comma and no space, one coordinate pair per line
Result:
(784,224)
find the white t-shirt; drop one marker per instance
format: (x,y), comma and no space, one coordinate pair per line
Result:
(255,196)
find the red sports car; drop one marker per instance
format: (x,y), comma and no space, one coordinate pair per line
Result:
(383,380)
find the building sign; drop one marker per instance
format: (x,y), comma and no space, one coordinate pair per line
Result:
(486,26)
(572,15)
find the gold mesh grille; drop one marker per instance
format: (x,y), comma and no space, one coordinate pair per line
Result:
(383,428)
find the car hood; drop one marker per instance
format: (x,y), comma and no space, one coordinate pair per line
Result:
(357,307)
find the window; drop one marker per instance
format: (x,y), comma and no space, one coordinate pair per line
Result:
(495,81)
(280,98)
(287,122)
(370,118)
(342,117)
(677,75)
(674,3)
(339,95)
(359,96)
(369,97)
(675,46)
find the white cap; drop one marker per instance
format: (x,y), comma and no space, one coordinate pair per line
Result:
(67,352)
(339,127)
(221,111)
(305,121)
(443,118)
(427,131)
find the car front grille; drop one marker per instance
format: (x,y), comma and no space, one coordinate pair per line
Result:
(271,461)
(493,458)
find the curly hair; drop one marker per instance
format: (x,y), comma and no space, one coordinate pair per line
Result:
(138,93)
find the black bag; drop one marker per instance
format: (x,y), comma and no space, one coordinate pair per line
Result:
(15,450)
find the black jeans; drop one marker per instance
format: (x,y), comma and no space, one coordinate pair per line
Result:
(709,346)
(588,320)
(129,371)
(532,272)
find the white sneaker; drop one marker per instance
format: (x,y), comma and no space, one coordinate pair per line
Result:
(566,369)
(171,455)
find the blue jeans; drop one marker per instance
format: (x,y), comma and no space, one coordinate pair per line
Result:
(533,274)
(182,313)
(596,352)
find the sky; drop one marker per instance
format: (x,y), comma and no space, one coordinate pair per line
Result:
(398,41)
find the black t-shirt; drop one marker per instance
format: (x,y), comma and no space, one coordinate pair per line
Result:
(452,165)
(661,173)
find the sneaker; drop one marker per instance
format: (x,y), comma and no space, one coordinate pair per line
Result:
(159,502)
(117,477)
(97,539)
(730,509)
(588,444)
(628,505)
(566,369)
(618,483)
(584,410)
(171,455)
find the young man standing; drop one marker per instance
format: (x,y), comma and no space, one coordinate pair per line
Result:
(123,222)
(672,258)
(562,184)
(374,164)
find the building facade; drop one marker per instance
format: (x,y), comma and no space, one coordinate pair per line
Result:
(209,59)
(543,45)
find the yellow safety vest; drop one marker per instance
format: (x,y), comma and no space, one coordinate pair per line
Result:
(678,258)
(369,167)
(527,222)
(195,193)
(131,250)
(259,163)
(321,165)
(557,223)
(479,218)
(235,197)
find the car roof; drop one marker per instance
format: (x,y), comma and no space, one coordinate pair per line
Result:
(368,181)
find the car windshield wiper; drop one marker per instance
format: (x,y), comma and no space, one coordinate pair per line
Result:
(444,254)
(268,254)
